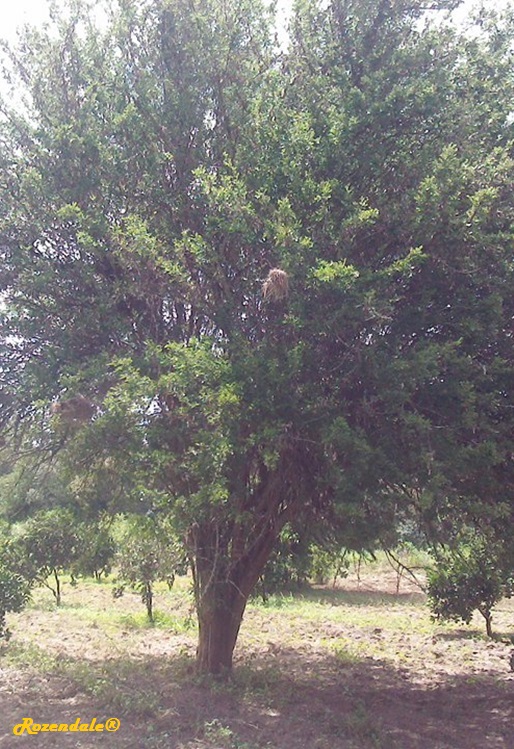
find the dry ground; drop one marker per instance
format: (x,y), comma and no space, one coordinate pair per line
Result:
(359,667)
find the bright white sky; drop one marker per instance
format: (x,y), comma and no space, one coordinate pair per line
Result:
(17,12)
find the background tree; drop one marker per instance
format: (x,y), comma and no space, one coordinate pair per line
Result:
(50,543)
(147,553)
(245,287)
(97,550)
(14,587)
(472,575)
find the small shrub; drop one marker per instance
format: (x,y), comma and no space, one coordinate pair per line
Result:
(287,569)
(97,552)
(468,578)
(148,552)
(14,588)
(48,544)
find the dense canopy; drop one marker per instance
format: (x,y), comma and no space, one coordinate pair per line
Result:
(250,286)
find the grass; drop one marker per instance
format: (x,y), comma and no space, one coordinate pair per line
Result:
(216,734)
(25,655)
(305,664)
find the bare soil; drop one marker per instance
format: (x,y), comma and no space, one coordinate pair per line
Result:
(361,666)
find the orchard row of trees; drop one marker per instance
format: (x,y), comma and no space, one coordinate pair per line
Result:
(256,288)
(54,543)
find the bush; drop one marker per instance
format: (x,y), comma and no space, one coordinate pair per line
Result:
(296,562)
(288,567)
(473,576)
(48,544)
(14,588)
(148,552)
(97,551)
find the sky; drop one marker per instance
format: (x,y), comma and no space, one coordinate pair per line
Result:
(18,12)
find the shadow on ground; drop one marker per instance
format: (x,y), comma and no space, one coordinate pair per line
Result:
(275,701)
(365,596)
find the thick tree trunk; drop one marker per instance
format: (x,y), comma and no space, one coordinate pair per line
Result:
(220,613)
(222,587)
(227,559)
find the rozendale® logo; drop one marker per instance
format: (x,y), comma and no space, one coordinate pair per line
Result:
(28,726)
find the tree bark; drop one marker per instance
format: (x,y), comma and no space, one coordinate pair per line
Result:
(228,556)
(222,587)
(148,600)
(57,591)
(220,612)
(486,613)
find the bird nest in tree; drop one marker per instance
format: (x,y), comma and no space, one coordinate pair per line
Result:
(276,285)
(74,410)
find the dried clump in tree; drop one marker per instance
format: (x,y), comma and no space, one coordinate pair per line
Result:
(276,285)
(74,410)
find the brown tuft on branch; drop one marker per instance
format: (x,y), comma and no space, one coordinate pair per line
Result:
(74,410)
(276,285)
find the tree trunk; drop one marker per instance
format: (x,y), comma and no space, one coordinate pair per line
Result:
(57,591)
(227,559)
(222,588)
(220,612)
(148,600)
(488,621)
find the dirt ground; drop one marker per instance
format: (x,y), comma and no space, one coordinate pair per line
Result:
(358,667)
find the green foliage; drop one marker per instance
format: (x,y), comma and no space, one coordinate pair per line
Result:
(296,562)
(97,551)
(147,192)
(287,568)
(472,576)
(27,486)
(14,588)
(48,544)
(147,553)
(328,564)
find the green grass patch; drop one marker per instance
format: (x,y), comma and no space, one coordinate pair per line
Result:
(29,656)
(162,620)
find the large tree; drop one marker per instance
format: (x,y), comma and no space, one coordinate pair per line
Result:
(250,287)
